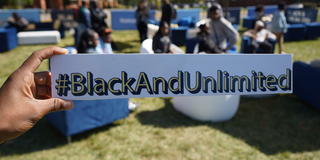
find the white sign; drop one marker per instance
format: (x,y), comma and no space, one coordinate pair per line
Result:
(96,76)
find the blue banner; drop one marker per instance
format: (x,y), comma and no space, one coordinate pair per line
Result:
(188,13)
(301,15)
(32,15)
(125,19)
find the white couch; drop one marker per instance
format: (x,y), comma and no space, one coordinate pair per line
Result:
(39,37)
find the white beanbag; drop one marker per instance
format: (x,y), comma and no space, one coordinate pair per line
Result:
(152,30)
(146,47)
(208,108)
(39,37)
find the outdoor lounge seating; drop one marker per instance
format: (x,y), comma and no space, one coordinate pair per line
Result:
(248,22)
(146,47)
(312,30)
(178,35)
(39,37)
(208,108)
(306,85)
(88,115)
(8,39)
(296,32)
(246,41)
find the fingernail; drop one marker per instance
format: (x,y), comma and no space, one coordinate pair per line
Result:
(65,51)
(68,105)
(61,50)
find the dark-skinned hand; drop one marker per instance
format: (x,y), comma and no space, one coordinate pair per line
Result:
(25,97)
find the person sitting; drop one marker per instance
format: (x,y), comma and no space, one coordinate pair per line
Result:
(221,30)
(106,40)
(161,41)
(260,38)
(205,44)
(18,22)
(261,16)
(89,42)
(168,12)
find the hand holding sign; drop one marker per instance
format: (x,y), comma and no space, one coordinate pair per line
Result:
(25,97)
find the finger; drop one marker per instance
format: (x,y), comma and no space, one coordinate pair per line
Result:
(42,78)
(54,104)
(33,62)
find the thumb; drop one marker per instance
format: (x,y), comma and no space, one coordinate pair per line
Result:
(55,104)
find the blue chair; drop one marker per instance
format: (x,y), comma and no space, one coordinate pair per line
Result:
(178,35)
(155,22)
(312,30)
(188,22)
(296,32)
(190,45)
(88,115)
(249,22)
(233,50)
(8,39)
(246,41)
(306,83)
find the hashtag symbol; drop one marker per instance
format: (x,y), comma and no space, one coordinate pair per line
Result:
(63,85)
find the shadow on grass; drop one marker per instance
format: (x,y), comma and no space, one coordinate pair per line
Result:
(273,125)
(119,46)
(42,137)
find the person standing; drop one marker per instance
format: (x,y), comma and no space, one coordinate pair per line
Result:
(279,25)
(168,12)
(84,17)
(98,17)
(221,30)
(142,17)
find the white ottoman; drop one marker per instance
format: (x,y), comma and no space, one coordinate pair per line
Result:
(146,46)
(39,37)
(152,30)
(208,108)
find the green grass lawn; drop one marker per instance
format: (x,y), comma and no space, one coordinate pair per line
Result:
(279,127)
